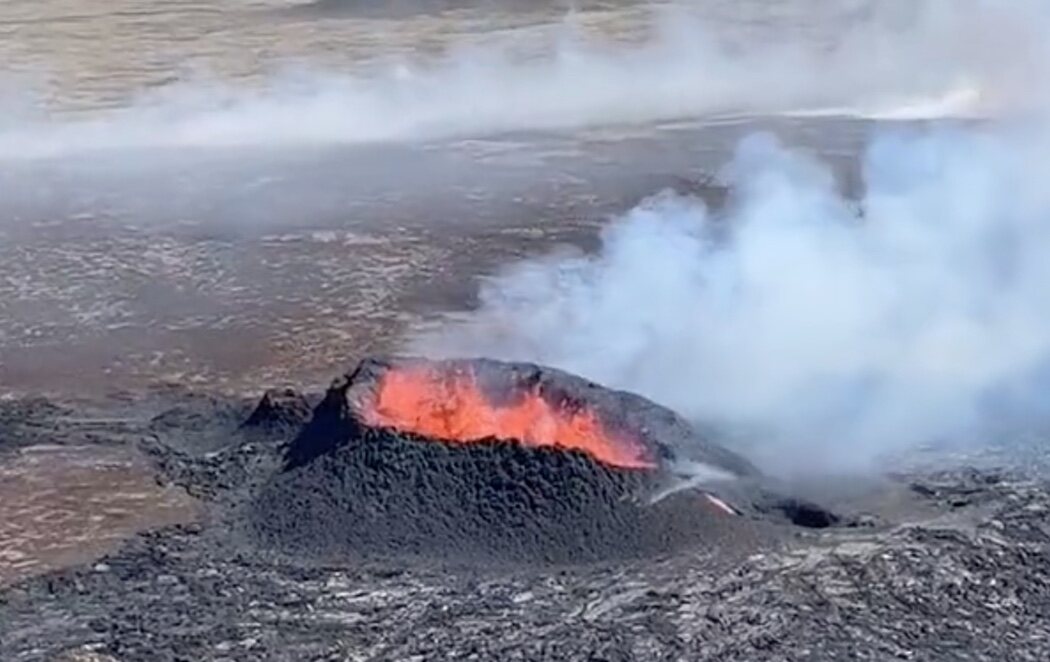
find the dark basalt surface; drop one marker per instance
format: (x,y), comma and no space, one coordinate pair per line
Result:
(279,410)
(390,494)
(349,488)
(955,565)
(970,583)
(26,422)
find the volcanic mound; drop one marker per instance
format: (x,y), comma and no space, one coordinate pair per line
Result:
(485,459)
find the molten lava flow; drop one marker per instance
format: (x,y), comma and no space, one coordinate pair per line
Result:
(449,405)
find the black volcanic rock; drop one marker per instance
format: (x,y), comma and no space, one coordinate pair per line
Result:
(351,488)
(955,566)
(331,426)
(391,494)
(26,422)
(278,410)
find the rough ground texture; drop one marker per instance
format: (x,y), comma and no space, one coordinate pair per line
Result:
(955,567)
(397,495)
(941,590)
(351,488)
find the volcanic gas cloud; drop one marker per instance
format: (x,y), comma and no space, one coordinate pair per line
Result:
(448,403)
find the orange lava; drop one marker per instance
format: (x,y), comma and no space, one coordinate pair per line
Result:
(449,405)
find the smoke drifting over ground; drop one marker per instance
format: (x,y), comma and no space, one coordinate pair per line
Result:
(885,59)
(918,314)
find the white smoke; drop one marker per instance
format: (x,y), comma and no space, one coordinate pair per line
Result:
(887,59)
(816,322)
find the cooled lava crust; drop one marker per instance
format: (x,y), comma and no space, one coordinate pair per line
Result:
(412,457)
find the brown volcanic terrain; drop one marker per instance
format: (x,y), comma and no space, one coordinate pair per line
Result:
(146,292)
(63,505)
(268,268)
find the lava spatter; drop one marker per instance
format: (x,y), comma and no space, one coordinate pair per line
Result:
(450,405)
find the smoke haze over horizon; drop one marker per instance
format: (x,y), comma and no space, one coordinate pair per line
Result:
(883,59)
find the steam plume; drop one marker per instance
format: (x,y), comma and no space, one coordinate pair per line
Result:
(921,313)
(896,59)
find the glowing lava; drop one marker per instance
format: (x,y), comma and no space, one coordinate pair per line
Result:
(449,405)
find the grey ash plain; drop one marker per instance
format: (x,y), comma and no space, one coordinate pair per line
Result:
(154,329)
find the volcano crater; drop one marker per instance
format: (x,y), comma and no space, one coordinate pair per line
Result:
(367,480)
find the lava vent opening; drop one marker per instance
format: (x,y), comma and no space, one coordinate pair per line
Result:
(461,403)
(476,458)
